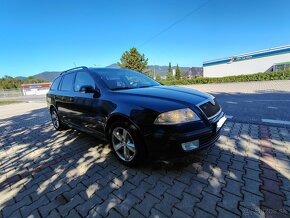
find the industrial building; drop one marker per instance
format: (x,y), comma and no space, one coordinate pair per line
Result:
(267,60)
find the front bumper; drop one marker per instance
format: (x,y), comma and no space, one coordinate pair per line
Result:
(165,141)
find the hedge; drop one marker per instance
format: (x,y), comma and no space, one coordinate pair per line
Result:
(281,75)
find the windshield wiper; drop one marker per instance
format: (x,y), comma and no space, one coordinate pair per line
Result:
(121,88)
(144,86)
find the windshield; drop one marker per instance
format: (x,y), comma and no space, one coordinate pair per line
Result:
(117,79)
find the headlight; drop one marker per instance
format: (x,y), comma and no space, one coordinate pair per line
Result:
(176,117)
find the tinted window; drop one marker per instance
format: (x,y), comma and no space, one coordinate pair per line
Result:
(67,82)
(55,84)
(83,79)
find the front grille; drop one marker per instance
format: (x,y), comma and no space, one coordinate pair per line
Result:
(210,109)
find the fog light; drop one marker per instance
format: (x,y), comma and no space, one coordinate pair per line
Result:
(187,146)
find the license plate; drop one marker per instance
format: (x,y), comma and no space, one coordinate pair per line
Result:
(220,123)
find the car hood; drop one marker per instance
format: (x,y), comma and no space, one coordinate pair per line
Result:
(171,96)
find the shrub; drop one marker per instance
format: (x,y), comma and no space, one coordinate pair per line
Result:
(281,75)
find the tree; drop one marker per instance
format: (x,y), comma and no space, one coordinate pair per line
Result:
(158,77)
(149,73)
(134,60)
(178,73)
(169,75)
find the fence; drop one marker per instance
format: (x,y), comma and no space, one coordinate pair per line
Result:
(10,93)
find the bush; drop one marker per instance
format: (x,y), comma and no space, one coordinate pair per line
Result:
(281,75)
(8,82)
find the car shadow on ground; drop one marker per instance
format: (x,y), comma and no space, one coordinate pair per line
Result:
(68,173)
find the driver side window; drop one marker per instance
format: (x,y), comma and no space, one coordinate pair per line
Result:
(83,79)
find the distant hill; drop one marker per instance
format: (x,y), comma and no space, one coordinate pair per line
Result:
(162,70)
(48,75)
(113,66)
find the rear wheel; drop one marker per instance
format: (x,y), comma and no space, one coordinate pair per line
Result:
(126,143)
(57,124)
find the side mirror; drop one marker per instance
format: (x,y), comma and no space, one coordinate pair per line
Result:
(90,89)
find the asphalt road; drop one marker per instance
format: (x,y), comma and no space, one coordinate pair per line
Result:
(259,102)
(267,108)
(28,98)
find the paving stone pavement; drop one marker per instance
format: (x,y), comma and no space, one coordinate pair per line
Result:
(44,173)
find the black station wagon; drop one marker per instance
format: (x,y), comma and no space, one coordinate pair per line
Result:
(137,115)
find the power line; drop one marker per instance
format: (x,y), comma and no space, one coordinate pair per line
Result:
(174,24)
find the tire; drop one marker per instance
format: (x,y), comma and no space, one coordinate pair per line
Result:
(126,143)
(56,122)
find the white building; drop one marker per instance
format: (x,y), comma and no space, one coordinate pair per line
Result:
(35,88)
(253,62)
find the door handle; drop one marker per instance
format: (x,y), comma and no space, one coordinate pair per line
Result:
(71,99)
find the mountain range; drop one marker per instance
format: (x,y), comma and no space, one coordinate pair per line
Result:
(156,69)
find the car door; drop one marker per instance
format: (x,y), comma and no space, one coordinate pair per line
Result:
(65,98)
(86,107)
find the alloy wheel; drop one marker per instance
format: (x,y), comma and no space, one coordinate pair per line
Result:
(123,144)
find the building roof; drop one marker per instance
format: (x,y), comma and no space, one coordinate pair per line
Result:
(282,63)
(250,55)
(33,84)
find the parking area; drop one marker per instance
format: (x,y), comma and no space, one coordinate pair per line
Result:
(44,173)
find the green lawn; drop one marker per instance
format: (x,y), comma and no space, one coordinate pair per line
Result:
(9,102)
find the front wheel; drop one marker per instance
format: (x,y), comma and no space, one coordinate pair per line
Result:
(126,143)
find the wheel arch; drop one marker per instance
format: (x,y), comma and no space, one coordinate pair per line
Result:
(115,118)
(52,107)
(140,138)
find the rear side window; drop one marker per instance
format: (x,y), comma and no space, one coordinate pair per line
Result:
(83,79)
(55,84)
(68,82)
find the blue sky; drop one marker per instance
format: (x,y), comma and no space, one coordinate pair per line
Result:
(39,35)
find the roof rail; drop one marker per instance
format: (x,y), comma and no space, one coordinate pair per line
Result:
(82,67)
